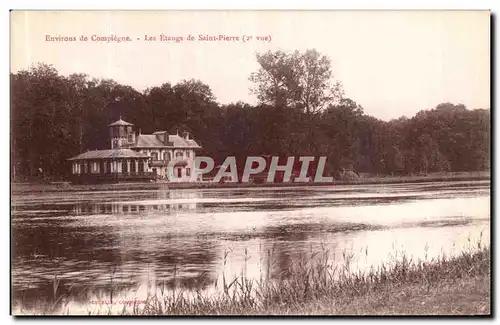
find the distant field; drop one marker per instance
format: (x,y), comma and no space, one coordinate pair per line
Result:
(17,188)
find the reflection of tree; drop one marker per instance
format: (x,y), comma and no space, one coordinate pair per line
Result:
(294,247)
(280,258)
(50,251)
(185,263)
(282,250)
(106,250)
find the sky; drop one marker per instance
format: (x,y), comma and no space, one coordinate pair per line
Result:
(393,63)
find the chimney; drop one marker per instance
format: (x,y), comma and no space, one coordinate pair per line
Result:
(166,138)
(185,135)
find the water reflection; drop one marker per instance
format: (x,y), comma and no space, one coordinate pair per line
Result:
(129,244)
(175,205)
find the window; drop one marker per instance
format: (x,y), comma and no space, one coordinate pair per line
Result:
(155,155)
(179,172)
(188,171)
(130,137)
(178,154)
(188,154)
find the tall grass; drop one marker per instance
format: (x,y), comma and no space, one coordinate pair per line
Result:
(311,279)
(307,281)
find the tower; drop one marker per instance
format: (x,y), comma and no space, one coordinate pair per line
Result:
(121,134)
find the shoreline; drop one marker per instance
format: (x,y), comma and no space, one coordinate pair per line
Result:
(20,188)
(457,285)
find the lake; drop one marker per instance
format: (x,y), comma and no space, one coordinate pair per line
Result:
(91,247)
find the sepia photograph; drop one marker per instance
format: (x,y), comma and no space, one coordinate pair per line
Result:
(250,162)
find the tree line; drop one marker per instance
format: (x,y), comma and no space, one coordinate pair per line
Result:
(301,111)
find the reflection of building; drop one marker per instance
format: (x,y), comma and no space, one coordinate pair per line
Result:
(124,208)
(168,202)
(138,157)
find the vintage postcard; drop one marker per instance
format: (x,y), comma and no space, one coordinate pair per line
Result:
(250,162)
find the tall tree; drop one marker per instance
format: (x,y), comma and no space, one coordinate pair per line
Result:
(54,117)
(303,80)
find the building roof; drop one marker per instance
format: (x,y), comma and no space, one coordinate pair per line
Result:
(120,122)
(152,141)
(109,154)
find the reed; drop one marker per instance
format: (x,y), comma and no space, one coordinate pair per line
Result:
(315,285)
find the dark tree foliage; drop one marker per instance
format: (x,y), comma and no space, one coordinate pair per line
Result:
(54,117)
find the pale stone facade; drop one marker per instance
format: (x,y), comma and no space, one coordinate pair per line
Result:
(141,156)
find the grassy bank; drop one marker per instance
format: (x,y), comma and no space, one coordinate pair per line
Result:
(458,285)
(20,188)
(443,286)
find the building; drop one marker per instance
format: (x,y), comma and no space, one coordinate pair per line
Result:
(138,157)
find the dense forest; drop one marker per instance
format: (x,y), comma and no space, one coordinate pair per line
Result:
(302,110)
